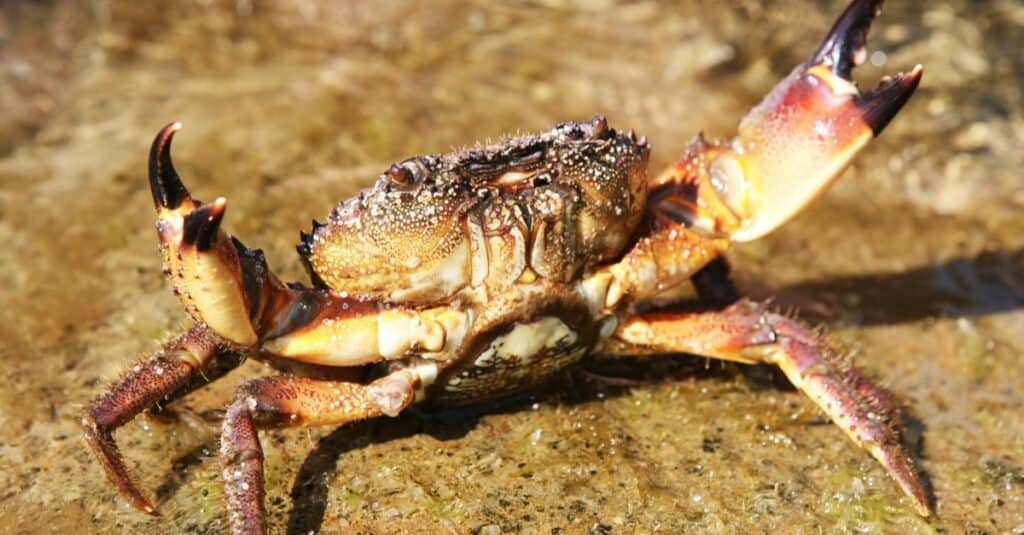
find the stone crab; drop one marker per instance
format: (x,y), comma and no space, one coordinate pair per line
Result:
(471,275)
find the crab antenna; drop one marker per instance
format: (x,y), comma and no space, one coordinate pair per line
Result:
(168,190)
(200,226)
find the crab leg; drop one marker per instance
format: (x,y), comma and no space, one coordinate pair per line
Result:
(188,361)
(745,332)
(293,402)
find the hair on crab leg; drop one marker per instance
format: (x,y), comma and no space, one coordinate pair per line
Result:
(166,373)
(788,150)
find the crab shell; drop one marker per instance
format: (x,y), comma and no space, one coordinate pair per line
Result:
(548,206)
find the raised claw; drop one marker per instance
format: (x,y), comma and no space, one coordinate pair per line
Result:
(208,270)
(844,48)
(801,137)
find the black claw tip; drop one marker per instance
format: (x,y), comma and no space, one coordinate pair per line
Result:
(200,227)
(168,191)
(843,47)
(881,104)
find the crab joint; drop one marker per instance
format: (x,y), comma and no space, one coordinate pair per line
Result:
(393,393)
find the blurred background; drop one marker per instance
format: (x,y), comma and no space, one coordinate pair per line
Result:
(914,260)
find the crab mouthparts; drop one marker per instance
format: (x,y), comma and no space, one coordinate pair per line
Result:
(802,136)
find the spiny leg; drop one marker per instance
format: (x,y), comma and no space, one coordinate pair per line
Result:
(746,332)
(165,411)
(181,362)
(290,402)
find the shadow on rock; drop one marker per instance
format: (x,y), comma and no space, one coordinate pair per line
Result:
(310,490)
(989,283)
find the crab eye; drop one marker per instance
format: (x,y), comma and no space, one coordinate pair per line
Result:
(401,176)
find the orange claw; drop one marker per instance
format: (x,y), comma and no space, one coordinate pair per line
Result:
(205,264)
(801,137)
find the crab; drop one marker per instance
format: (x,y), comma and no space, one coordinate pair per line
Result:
(471,275)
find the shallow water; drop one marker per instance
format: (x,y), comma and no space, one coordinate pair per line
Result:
(915,259)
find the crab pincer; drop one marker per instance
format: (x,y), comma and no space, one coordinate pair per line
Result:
(196,249)
(165,184)
(805,132)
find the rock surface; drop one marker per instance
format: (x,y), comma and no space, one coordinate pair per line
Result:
(915,260)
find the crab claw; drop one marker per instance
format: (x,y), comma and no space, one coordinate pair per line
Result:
(212,273)
(801,137)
